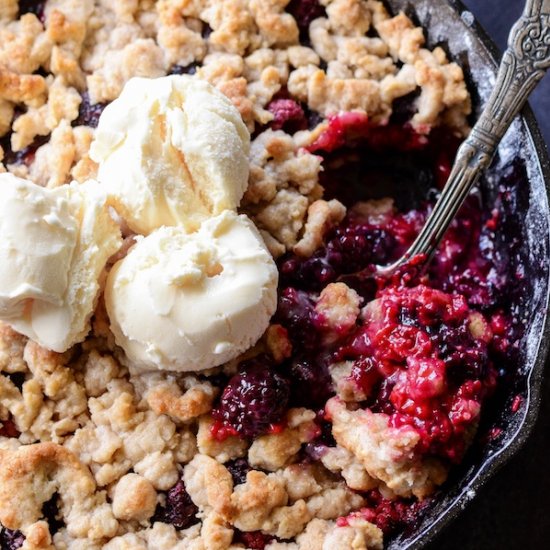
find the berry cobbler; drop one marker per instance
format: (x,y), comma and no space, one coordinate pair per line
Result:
(337,426)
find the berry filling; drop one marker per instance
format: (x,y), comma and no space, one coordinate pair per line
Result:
(178,510)
(25,156)
(11,540)
(8,429)
(253,402)
(32,6)
(238,469)
(255,540)
(389,515)
(431,349)
(89,113)
(424,348)
(184,69)
(305,11)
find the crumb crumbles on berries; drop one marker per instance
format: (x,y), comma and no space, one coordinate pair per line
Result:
(338,427)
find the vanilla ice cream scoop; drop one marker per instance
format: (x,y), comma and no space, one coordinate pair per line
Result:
(187,302)
(171,151)
(54,244)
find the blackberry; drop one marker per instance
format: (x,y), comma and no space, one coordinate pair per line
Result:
(253,400)
(11,540)
(26,155)
(184,69)
(179,510)
(238,469)
(311,382)
(32,6)
(89,113)
(305,11)
(296,313)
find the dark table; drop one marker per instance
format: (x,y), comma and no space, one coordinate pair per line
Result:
(513,510)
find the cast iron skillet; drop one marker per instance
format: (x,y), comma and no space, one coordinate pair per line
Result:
(449,24)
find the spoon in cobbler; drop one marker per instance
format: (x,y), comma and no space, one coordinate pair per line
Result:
(522,67)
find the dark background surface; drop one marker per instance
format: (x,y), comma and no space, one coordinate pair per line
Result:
(497,17)
(513,510)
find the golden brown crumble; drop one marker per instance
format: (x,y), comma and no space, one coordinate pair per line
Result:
(386,453)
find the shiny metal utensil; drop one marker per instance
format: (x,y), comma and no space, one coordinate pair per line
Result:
(522,67)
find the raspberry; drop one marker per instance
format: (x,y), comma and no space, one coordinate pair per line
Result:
(179,510)
(89,113)
(253,400)
(11,540)
(288,116)
(365,374)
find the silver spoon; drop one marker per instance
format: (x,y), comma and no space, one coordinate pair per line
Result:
(522,67)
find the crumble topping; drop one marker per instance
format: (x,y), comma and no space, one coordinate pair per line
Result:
(387,454)
(125,457)
(250,50)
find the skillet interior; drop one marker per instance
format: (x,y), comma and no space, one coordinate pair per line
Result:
(450,25)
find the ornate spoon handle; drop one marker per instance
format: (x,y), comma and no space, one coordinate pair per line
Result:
(523,65)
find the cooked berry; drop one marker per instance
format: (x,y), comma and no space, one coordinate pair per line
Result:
(8,429)
(296,313)
(311,382)
(313,273)
(287,115)
(360,245)
(305,11)
(351,247)
(32,6)
(318,446)
(353,129)
(255,540)
(365,374)
(11,540)
(253,400)
(179,510)
(89,113)
(184,69)
(25,156)
(238,469)
(390,515)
